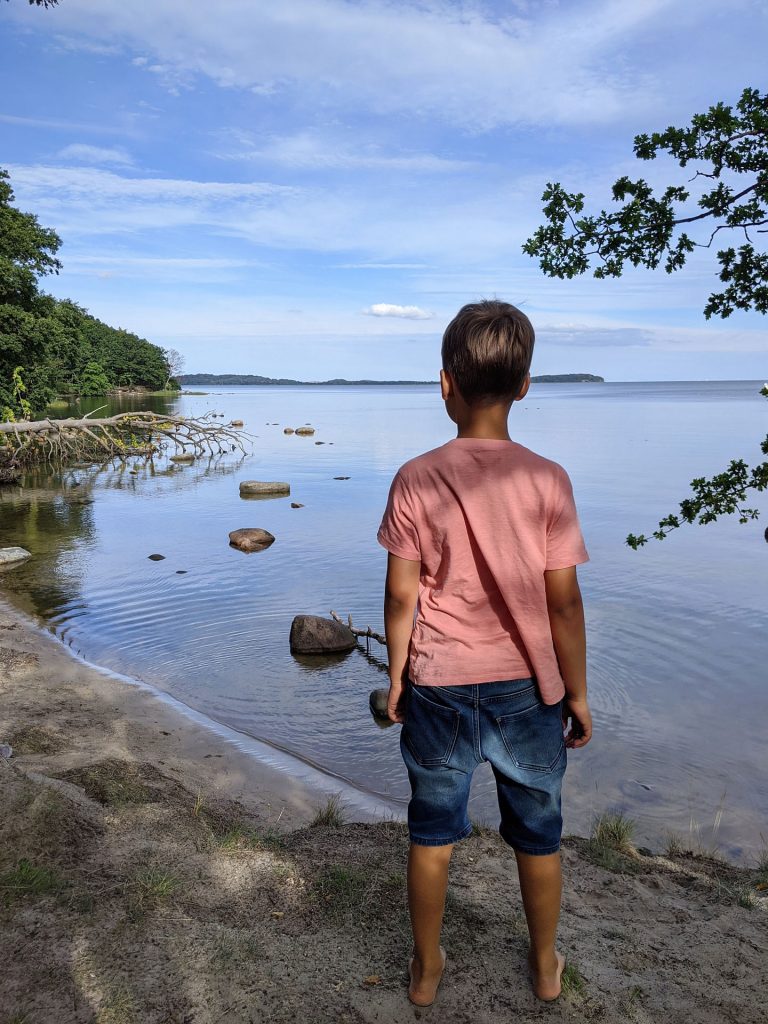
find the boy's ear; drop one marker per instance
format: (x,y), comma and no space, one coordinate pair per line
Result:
(446,385)
(524,389)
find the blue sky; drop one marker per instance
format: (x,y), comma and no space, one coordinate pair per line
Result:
(312,188)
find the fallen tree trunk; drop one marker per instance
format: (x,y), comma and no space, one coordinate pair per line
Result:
(120,436)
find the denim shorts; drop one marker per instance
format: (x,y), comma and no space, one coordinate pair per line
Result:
(449,730)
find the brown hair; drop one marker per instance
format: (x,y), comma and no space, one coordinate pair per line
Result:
(487,349)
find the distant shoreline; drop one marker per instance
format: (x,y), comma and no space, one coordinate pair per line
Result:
(248,379)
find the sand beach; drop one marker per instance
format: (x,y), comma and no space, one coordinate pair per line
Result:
(152,872)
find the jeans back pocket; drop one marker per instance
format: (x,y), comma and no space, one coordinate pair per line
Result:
(430,730)
(534,737)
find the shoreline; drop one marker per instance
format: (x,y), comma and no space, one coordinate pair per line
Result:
(153,871)
(269,768)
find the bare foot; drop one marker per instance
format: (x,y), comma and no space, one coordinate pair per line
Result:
(546,984)
(423,987)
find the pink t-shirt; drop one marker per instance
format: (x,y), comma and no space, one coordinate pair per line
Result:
(485,518)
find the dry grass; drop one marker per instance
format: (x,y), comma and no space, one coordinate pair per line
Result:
(330,815)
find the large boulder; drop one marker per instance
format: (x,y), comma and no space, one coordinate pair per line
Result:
(251,539)
(12,556)
(263,487)
(312,634)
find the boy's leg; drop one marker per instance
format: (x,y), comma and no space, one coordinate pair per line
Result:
(427,884)
(541,887)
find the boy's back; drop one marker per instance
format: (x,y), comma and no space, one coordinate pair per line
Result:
(485,518)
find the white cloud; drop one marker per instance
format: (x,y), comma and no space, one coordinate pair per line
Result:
(84,153)
(559,64)
(309,150)
(403,312)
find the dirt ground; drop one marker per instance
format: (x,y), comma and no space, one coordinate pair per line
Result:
(151,873)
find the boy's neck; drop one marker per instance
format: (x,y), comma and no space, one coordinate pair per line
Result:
(488,422)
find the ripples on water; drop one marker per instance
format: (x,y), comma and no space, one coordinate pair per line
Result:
(677,630)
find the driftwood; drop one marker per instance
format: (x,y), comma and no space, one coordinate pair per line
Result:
(366,633)
(126,434)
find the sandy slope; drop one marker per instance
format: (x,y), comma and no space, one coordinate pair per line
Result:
(150,872)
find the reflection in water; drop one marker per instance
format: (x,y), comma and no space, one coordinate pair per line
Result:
(676,631)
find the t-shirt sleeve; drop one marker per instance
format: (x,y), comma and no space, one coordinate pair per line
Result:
(565,544)
(398,533)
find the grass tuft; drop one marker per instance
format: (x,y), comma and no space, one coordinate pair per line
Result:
(28,879)
(154,885)
(330,815)
(340,889)
(613,832)
(572,981)
(242,837)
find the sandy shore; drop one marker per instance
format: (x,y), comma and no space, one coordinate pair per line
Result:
(152,872)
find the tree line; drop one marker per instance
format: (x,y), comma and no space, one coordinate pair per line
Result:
(49,346)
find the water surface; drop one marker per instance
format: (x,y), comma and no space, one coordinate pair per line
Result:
(676,630)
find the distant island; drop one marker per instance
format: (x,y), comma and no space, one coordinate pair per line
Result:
(255,379)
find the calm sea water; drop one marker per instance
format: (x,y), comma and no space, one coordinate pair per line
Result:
(677,631)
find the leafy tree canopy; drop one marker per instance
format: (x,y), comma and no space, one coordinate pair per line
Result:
(727,148)
(49,345)
(724,146)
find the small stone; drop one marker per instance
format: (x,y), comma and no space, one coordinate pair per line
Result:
(6,750)
(182,572)
(378,702)
(251,539)
(342,478)
(237,423)
(296,504)
(305,431)
(259,487)
(319,442)
(10,555)
(312,634)
(288,430)
(183,457)
(156,558)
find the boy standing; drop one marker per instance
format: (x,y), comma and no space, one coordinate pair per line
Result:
(485,636)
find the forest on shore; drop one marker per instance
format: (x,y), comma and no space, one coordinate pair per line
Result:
(51,347)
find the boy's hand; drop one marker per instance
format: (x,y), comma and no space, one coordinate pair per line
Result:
(396,703)
(580,732)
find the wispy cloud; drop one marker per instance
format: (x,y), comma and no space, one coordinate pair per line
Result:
(455,61)
(83,153)
(309,150)
(402,312)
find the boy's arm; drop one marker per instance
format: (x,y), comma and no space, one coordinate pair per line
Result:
(400,596)
(566,620)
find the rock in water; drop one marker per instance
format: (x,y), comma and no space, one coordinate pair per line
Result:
(156,558)
(251,539)
(378,703)
(10,555)
(305,431)
(8,475)
(273,487)
(183,457)
(296,504)
(237,423)
(312,634)
(288,430)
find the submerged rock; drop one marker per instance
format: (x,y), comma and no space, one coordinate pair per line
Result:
(288,430)
(156,558)
(378,703)
(296,504)
(273,487)
(10,555)
(251,538)
(312,634)
(305,431)
(183,457)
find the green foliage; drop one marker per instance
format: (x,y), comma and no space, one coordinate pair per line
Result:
(58,346)
(93,380)
(649,229)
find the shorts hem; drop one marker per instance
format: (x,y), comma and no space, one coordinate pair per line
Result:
(441,840)
(533,851)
